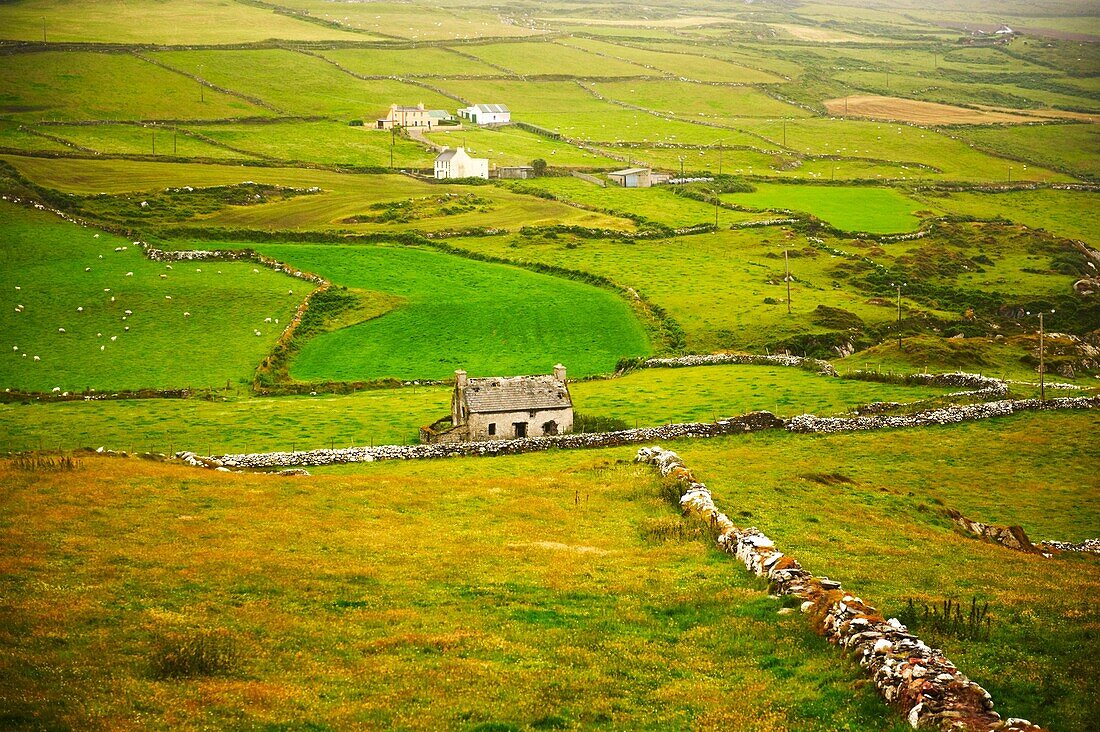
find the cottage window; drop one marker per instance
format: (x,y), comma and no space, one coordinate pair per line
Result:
(550,428)
(492,428)
(521,428)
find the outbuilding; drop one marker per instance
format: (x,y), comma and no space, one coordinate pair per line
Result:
(632,177)
(486,114)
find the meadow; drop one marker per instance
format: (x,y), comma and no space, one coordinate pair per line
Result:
(84,309)
(1070,147)
(680,65)
(234,422)
(485,318)
(129,139)
(514,146)
(871,210)
(1067,214)
(566,579)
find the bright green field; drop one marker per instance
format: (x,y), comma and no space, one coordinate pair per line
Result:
(695,101)
(423,61)
(485,318)
(873,210)
(680,64)
(135,140)
(532,59)
(322,142)
(301,84)
(135,21)
(88,86)
(46,258)
(647,397)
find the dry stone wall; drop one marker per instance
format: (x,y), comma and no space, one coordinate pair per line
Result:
(720,359)
(913,677)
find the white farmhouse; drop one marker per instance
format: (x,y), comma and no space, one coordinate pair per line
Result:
(486,114)
(499,408)
(457,164)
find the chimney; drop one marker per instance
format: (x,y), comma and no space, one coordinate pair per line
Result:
(458,405)
(460,379)
(559,372)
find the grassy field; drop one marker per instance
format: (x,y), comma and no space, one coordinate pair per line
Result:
(127,333)
(714,285)
(322,142)
(695,101)
(133,21)
(558,59)
(236,423)
(513,146)
(485,318)
(872,210)
(414,22)
(423,61)
(678,64)
(122,139)
(90,86)
(300,84)
(1065,147)
(1062,213)
(586,614)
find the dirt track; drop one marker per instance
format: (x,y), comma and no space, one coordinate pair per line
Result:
(911,110)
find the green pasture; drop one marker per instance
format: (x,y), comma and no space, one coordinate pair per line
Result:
(488,319)
(126,139)
(13,138)
(698,101)
(422,61)
(679,64)
(549,599)
(1073,148)
(659,204)
(73,85)
(849,208)
(713,285)
(417,22)
(557,59)
(135,21)
(525,97)
(334,143)
(710,159)
(300,84)
(60,267)
(1068,214)
(513,146)
(233,422)
(757,56)
(947,156)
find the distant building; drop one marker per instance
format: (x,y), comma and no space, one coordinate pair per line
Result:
(457,164)
(514,171)
(632,177)
(486,114)
(416,116)
(499,408)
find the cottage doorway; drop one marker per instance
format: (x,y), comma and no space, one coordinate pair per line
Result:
(521,428)
(550,428)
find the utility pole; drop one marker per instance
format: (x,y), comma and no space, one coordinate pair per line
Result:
(1042,363)
(787,277)
(202,87)
(899,314)
(715,210)
(43,28)
(719,160)
(681,166)
(154,130)
(175,136)
(784,133)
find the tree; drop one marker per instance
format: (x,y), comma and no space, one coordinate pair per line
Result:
(540,167)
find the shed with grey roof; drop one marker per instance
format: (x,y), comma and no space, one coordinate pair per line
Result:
(504,408)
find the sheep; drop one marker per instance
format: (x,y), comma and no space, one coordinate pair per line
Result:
(129,312)
(114,338)
(98,335)
(163,276)
(258,333)
(198,270)
(80,309)
(276,321)
(56,389)
(168,266)
(267,320)
(167,297)
(106,289)
(290,292)
(112,298)
(24,355)
(87,269)
(60,330)
(18,287)
(187,315)
(95,236)
(255,271)
(103,348)
(127,328)
(118,249)
(129,274)
(36,358)
(16,348)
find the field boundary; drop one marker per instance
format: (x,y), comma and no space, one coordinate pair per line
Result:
(918,680)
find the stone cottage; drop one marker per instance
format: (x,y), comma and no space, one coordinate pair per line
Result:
(504,408)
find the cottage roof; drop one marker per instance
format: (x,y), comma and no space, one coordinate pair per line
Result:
(516,394)
(490,108)
(629,171)
(446,155)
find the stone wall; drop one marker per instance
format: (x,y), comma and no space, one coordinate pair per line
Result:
(954,414)
(739,425)
(721,359)
(919,681)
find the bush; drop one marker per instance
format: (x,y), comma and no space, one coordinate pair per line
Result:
(355,123)
(194,652)
(589,423)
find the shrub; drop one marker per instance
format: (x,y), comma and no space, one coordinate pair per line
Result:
(590,423)
(194,652)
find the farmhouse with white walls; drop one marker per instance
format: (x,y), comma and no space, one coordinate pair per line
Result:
(500,408)
(486,114)
(457,163)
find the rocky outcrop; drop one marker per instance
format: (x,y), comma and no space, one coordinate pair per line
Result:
(1013,537)
(913,677)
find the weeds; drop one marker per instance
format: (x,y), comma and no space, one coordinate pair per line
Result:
(949,617)
(34,463)
(194,652)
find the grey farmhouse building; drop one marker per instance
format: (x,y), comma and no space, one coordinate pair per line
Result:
(505,408)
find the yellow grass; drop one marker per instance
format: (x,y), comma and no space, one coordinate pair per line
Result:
(911,110)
